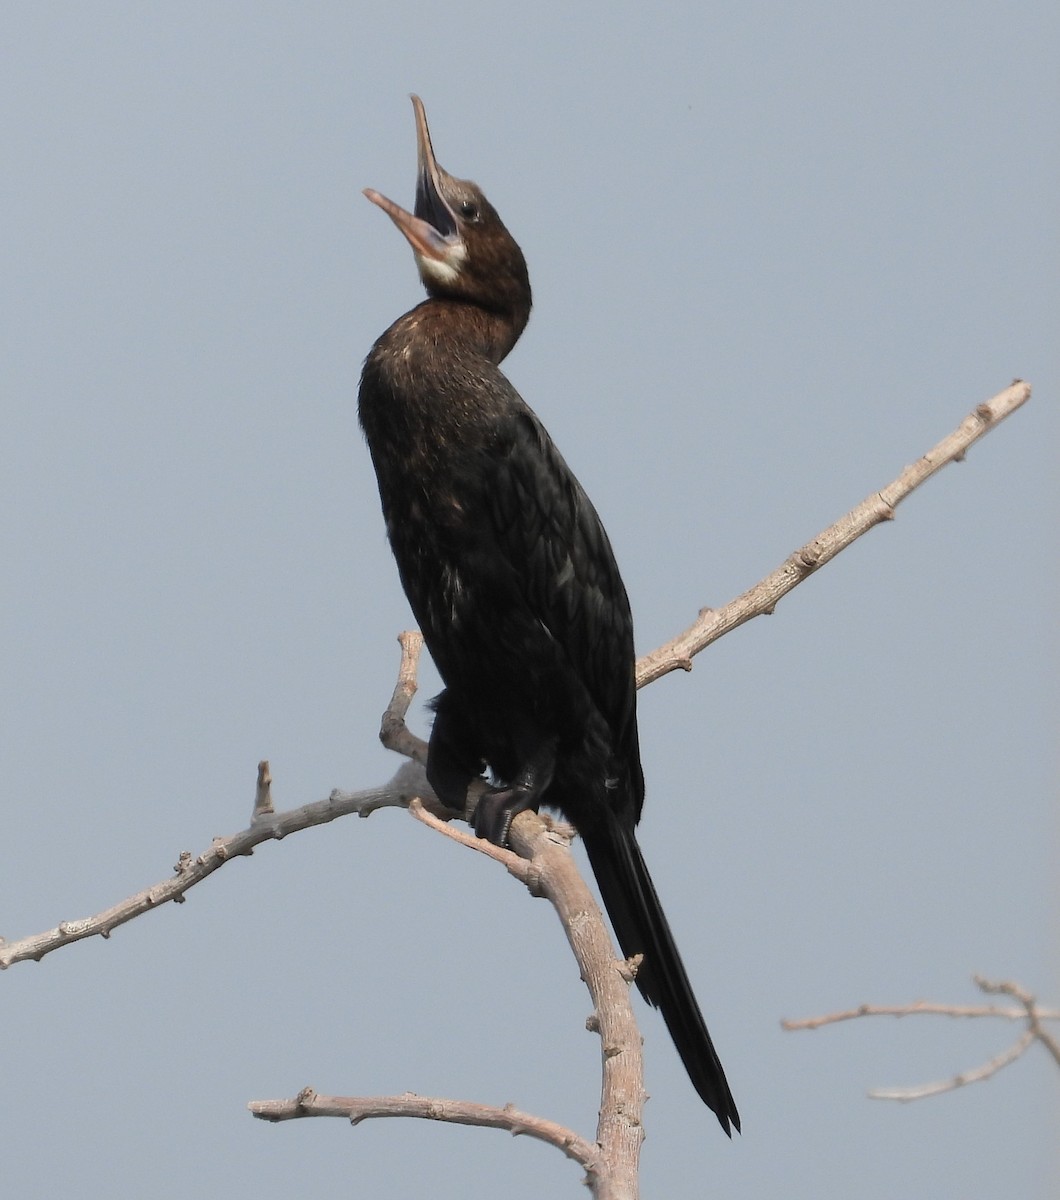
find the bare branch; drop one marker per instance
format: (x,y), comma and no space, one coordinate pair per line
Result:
(919,1008)
(394,733)
(407,782)
(1028,1012)
(458,1112)
(712,624)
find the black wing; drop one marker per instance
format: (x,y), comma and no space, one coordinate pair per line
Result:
(550,535)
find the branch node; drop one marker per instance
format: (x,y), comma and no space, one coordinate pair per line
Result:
(533,880)
(628,967)
(807,559)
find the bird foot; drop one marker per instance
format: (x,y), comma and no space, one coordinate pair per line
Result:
(497,808)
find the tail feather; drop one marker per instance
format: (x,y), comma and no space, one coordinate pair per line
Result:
(641,928)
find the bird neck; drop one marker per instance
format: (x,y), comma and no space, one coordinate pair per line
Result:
(447,330)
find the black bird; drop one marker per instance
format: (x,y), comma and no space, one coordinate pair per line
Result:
(513,581)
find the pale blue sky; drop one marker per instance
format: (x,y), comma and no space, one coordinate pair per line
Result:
(777,252)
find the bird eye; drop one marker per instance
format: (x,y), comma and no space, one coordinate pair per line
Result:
(469,210)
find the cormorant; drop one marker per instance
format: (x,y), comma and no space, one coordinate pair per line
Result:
(513,581)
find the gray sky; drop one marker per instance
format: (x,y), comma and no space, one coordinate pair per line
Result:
(778,251)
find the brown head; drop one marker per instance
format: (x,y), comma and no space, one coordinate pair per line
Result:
(463,250)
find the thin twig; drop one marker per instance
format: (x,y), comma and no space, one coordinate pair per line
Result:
(263,806)
(976,1075)
(712,624)
(919,1008)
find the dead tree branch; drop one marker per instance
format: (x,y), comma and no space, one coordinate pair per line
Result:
(409,781)
(543,862)
(266,825)
(1028,1011)
(762,599)
(427,1108)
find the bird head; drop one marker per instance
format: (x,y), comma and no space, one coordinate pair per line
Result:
(462,247)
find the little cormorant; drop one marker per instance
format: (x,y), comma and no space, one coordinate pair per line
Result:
(512,579)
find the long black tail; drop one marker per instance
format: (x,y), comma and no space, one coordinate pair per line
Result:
(641,928)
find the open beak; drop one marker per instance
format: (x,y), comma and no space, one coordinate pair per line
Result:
(433,232)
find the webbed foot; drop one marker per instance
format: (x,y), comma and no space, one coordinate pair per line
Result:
(496,810)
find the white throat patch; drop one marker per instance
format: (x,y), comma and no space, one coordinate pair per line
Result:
(443,270)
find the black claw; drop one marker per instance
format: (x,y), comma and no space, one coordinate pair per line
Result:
(496,810)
